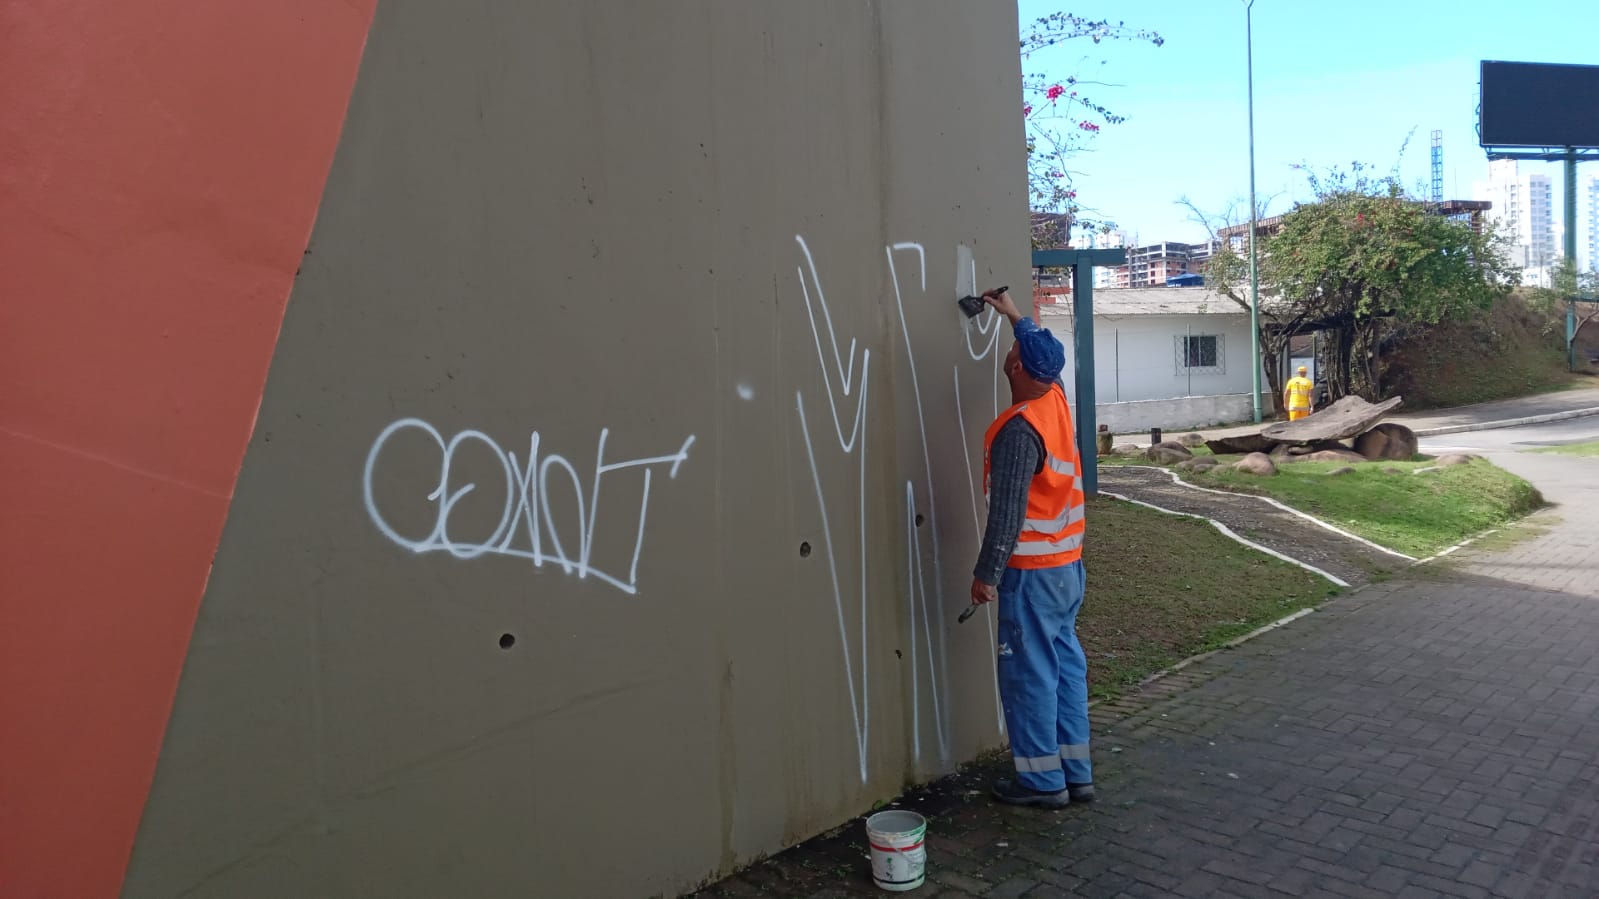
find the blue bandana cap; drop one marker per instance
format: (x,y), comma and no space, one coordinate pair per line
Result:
(1042,355)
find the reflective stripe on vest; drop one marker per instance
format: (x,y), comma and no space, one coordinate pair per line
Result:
(1048,547)
(1072,515)
(1052,532)
(1061,466)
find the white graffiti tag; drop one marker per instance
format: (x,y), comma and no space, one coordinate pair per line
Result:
(526,528)
(859,698)
(845,375)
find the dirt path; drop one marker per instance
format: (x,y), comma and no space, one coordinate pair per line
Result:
(1255,519)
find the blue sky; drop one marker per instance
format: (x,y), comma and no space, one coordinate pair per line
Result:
(1334,82)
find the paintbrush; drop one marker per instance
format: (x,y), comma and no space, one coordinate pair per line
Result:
(973,305)
(970,611)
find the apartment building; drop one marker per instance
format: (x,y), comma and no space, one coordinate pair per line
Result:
(1523,210)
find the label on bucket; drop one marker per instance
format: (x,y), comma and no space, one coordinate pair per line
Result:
(899,849)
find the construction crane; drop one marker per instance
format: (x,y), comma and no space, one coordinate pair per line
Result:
(1437,166)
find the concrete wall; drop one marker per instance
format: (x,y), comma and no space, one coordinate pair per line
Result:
(1179,412)
(536,582)
(162,166)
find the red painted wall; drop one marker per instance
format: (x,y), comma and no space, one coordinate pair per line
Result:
(160,169)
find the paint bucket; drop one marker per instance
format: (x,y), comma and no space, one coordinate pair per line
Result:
(899,849)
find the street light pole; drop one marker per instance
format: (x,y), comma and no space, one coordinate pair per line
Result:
(1571,256)
(1254,215)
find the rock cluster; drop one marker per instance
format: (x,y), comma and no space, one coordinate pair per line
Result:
(1319,437)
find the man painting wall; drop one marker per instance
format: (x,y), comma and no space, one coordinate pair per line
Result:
(1031,562)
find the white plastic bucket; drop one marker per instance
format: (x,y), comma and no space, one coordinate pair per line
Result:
(899,849)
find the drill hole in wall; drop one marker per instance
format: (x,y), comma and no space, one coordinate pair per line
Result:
(507,641)
(805,550)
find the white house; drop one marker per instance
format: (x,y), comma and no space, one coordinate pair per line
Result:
(1166,357)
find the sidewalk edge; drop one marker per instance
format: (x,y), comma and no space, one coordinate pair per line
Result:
(1507,422)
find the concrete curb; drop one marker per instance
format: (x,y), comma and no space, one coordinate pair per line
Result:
(1228,532)
(1281,506)
(1458,429)
(1234,643)
(1507,422)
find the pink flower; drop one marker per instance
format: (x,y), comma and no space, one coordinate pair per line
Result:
(1054,92)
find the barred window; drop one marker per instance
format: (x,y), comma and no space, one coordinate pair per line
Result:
(1200,354)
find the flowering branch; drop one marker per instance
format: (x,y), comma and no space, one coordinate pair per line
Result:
(1062,121)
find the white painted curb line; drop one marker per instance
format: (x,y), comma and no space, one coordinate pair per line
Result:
(1458,546)
(1288,619)
(1289,509)
(1230,644)
(1229,532)
(1507,422)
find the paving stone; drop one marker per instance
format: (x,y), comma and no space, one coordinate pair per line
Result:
(1431,735)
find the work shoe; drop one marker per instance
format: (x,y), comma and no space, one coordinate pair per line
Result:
(1011,792)
(1080,793)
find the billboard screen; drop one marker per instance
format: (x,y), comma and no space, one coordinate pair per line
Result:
(1528,104)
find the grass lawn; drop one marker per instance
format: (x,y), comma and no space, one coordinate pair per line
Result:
(1591,448)
(1162,588)
(1418,514)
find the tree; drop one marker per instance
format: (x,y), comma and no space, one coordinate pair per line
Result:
(1568,284)
(1227,273)
(1366,258)
(1062,119)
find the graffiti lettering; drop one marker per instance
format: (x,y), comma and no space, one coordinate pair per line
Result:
(526,528)
(926,621)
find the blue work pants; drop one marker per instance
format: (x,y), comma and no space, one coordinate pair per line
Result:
(1043,675)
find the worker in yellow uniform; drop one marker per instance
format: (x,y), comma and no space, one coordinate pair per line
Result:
(1297,394)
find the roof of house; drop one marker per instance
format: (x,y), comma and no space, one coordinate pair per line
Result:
(1116,301)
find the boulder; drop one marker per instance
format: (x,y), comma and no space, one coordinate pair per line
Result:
(1388,441)
(1281,451)
(1126,449)
(1243,443)
(1344,419)
(1191,440)
(1256,463)
(1454,459)
(1329,455)
(1340,472)
(1308,448)
(1168,455)
(1198,463)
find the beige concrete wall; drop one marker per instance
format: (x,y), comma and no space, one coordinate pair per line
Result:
(610,308)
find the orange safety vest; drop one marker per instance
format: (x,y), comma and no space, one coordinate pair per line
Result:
(1052,534)
(1298,390)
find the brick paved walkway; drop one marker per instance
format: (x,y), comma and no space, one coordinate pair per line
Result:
(1436,735)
